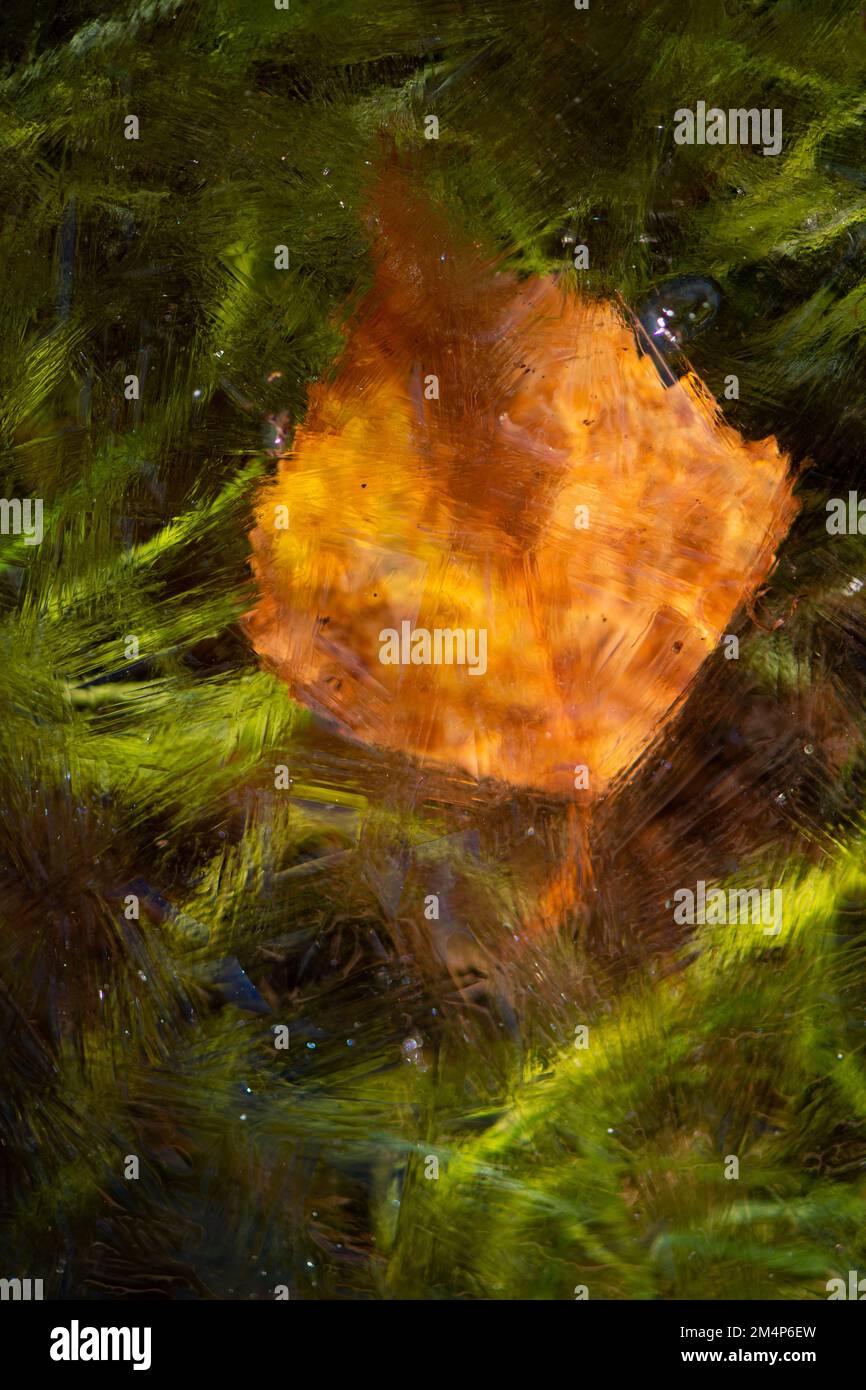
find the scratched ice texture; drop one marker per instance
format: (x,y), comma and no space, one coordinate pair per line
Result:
(334,977)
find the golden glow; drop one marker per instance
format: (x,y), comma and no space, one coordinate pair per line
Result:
(460,513)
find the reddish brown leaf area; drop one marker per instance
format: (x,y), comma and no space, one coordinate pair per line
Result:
(466,513)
